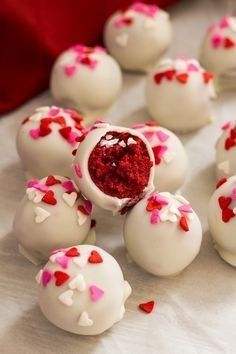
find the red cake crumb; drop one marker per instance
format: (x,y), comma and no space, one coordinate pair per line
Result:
(118,171)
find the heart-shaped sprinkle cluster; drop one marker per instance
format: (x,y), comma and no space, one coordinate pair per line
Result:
(163,209)
(225,203)
(183,77)
(230,141)
(220,37)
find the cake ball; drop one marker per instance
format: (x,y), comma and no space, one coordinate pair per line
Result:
(179,94)
(114,166)
(87,294)
(222,220)
(162,234)
(170,157)
(138,35)
(46,140)
(87,79)
(218,52)
(52,214)
(226,151)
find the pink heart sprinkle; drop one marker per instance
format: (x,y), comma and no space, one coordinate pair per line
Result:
(226,126)
(72,138)
(70,70)
(88,206)
(118,23)
(162,150)
(78,48)
(160,199)
(216,40)
(93,64)
(78,170)
(95,293)
(192,67)
(155,218)
(162,136)
(54,111)
(224,23)
(62,261)
(234,194)
(69,186)
(185,208)
(46,277)
(41,187)
(32,183)
(34,133)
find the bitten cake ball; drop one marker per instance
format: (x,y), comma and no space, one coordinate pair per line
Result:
(46,139)
(114,166)
(170,157)
(222,220)
(218,52)
(138,35)
(87,79)
(162,234)
(85,295)
(53,214)
(179,94)
(226,151)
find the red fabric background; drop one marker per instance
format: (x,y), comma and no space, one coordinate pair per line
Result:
(34,32)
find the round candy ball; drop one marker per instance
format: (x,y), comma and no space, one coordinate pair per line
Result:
(87,79)
(114,166)
(138,35)
(171,160)
(226,151)
(87,295)
(162,234)
(53,214)
(218,52)
(46,140)
(222,220)
(179,94)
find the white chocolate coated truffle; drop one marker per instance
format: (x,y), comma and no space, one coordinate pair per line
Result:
(162,234)
(114,166)
(179,94)
(226,151)
(46,139)
(222,220)
(171,160)
(87,295)
(138,36)
(53,214)
(87,79)
(218,52)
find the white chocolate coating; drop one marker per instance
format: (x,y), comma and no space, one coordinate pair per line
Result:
(89,87)
(179,94)
(218,52)
(43,226)
(222,220)
(138,36)
(155,239)
(226,151)
(91,300)
(52,153)
(171,160)
(83,178)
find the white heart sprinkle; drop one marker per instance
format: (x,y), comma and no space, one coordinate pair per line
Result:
(37,197)
(180,65)
(66,297)
(69,198)
(42,109)
(224,166)
(36,117)
(81,218)
(174,210)
(149,23)
(81,261)
(167,216)
(122,144)
(84,320)
(39,276)
(30,193)
(122,39)
(41,215)
(54,256)
(169,156)
(131,141)
(78,283)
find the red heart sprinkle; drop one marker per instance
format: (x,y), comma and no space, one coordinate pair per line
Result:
(156,151)
(46,121)
(74,152)
(44,130)
(65,132)
(86,60)
(25,120)
(59,120)
(49,198)
(169,74)
(182,78)
(82,209)
(224,202)
(207,77)
(227,214)
(76,117)
(95,257)
(79,139)
(183,223)
(153,204)
(147,306)
(72,252)
(233,133)
(229,143)
(220,182)
(61,277)
(158,77)
(127,21)
(51,180)
(228,43)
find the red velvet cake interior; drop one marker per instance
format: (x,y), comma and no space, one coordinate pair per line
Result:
(120,165)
